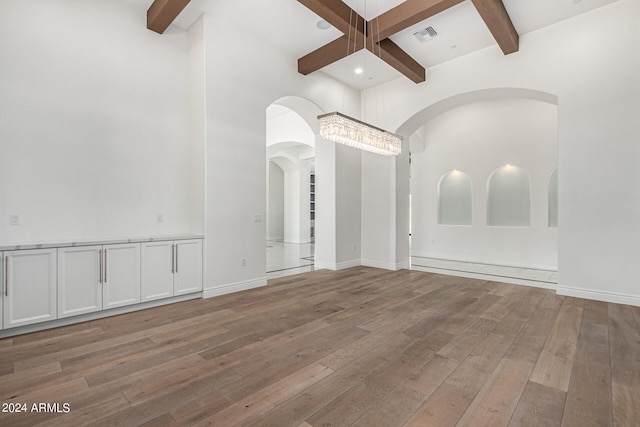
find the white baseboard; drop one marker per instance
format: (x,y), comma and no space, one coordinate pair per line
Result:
(387,265)
(321,265)
(234,287)
(406,265)
(605,296)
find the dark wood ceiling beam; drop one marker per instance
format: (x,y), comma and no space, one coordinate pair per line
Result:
(407,14)
(499,23)
(328,54)
(163,12)
(391,53)
(338,14)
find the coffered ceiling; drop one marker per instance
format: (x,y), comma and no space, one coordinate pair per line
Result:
(292,27)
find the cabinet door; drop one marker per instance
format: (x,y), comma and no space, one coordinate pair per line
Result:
(188,273)
(31,289)
(121,280)
(157,270)
(2,287)
(79,280)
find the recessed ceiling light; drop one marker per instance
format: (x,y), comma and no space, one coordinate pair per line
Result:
(358,70)
(323,25)
(577,1)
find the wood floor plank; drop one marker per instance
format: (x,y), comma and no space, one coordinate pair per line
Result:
(496,401)
(589,396)
(349,406)
(398,405)
(298,408)
(450,401)
(267,398)
(539,406)
(362,346)
(625,365)
(553,368)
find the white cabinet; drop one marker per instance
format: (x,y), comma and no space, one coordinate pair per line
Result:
(2,285)
(30,287)
(79,280)
(188,272)
(171,268)
(121,275)
(158,264)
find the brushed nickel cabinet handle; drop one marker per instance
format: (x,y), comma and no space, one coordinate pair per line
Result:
(6,276)
(176,257)
(105,266)
(173,261)
(100,272)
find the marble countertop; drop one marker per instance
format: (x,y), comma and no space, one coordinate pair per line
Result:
(95,242)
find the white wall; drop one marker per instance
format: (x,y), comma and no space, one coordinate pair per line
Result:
(244,76)
(594,75)
(275,215)
(197,124)
(476,139)
(94,131)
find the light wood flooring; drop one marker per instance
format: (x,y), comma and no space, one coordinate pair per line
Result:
(359,347)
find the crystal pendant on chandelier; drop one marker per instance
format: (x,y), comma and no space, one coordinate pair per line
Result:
(343,129)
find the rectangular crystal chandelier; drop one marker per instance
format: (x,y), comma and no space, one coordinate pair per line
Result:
(338,127)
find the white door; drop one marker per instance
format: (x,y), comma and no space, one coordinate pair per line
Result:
(121,278)
(158,265)
(31,288)
(188,272)
(79,280)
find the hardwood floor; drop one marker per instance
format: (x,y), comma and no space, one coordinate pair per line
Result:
(360,347)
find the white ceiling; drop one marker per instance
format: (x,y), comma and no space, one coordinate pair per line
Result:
(292,27)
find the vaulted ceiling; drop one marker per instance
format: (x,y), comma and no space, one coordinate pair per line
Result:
(463,27)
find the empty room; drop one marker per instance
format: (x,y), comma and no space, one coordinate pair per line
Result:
(318,213)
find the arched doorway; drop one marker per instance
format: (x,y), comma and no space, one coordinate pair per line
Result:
(480,132)
(290,186)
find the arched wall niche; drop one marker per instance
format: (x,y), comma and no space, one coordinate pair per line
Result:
(455,195)
(509,197)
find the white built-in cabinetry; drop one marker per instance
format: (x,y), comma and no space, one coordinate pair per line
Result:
(171,268)
(93,278)
(79,280)
(121,280)
(30,287)
(2,285)
(39,285)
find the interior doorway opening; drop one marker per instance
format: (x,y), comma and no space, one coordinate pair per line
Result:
(467,155)
(290,189)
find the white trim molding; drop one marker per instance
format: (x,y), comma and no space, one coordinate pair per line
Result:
(605,296)
(320,265)
(387,265)
(234,287)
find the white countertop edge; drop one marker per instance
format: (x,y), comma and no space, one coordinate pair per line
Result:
(95,242)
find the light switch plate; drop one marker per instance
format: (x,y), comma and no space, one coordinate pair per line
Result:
(14,219)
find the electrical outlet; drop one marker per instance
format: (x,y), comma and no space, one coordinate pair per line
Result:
(160,218)
(257,217)
(243,262)
(14,219)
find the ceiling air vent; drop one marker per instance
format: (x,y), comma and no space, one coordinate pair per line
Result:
(426,34)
